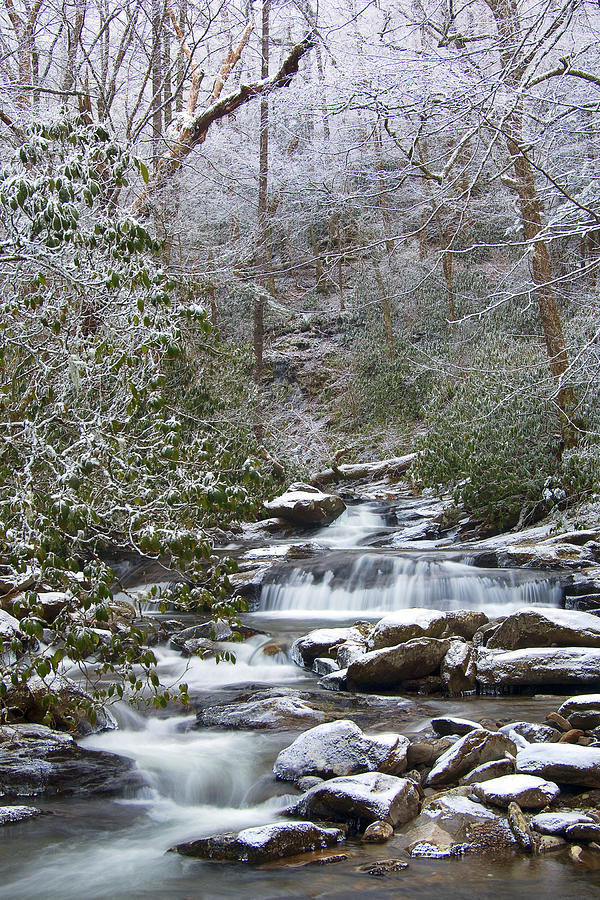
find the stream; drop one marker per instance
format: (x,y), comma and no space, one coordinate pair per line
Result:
(203,781)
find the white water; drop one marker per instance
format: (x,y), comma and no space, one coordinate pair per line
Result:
(377,584)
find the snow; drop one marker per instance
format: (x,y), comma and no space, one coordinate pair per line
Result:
(558,822)
(527,790)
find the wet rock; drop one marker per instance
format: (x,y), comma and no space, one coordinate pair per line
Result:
(215,630)
(529,791)
(463,623)
(458,669)
(341,748)
(421,753)
(549,844)
(324,666)
(390,666)
(563,763)
(582,711)
(533,734)
(384,867)
(430,684)
(308,782)
(10,815)
(35,760)
(559,722)
(200,647)
(583,831)
(263,843)
(275,712)
(472,750)
(306,506)
(27,702)
(520,828)
(556,823)
(495,769)
(336,681)
(453,811)
(430,841)
(531,666)
(444,725)
(361,799)
(377,833)
(542,627)
(323,642)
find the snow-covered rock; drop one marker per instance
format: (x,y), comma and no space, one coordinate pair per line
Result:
(391,665)
(458,669)
(550,665)
(582,711)
(529,791)
(556,823)
(341,748)
(263,843)
(10,815)
(323,642)
(306,506)
(366,798)
(443,725)
(563,763)
(279,712)
(414,622)
(494,769)
(538,626)
(472,750)
(532,733)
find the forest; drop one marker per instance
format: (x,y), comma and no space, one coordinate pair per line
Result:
(256,250)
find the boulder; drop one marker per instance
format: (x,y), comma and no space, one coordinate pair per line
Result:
(444,725)
(200,647)
(336,681)
(463,623)
(26,702)
(533,734)
(538,626)
(390,666)
(341,748)
(35,760)
(494,769)
(10,815)
(529,791)
(472,750)
(453,812)
(458,669)
(215,630)
(323,642)
(582,711)
(272,712)
(361,799)
(263,843)
(583,831)
(306,506)
(556,823)
(348,652)
(377,833)
(553,665)
(563,763)
(404,625)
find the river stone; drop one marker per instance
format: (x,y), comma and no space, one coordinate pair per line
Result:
(27,702)
(361,799)
(582,711)
(533,734)
(538,626)
(458,669)
(520,828)
(529,791)
(557,822)
(388,667)
(263,843)
(563,763)
(377,833)
(324,666)
(341,748)
(307,506)
(272,712)
(215,630)
(336,681)
(553,665)
(348,652)
(453,812)
(404,625)
(463,623)
(583,831)
(10,815)
(37,760)
(487,771)
(444,725)
(323,642)
(200,647)
(472,750)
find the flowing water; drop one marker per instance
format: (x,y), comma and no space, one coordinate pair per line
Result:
(205,781)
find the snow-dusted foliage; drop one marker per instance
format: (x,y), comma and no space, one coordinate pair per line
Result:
(93,452)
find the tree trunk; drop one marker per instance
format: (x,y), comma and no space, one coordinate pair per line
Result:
(263,222)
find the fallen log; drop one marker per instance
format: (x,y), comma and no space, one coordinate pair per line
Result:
(398,465)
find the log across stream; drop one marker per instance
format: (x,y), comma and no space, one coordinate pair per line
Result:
(202,780)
